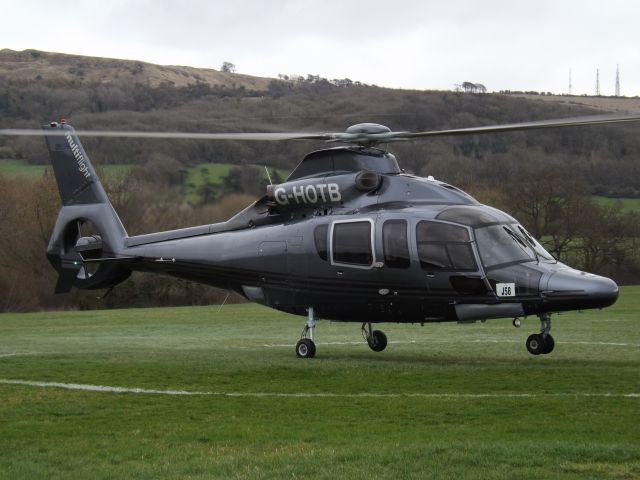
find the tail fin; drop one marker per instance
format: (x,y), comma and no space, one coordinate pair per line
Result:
(77,180)
(84,202)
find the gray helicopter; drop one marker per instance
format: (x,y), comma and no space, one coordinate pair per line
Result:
(347,237)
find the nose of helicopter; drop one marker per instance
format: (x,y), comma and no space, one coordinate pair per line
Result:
(572,289)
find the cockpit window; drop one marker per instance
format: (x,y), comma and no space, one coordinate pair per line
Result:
(503,244)
(442,246)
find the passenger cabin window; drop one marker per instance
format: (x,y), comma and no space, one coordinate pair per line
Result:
(395,244)
(444,247)
(320,237)
(351,243)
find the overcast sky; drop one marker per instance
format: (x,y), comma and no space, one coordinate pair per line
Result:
(422,44)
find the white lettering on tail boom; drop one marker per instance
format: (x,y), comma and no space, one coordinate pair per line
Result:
(77,154)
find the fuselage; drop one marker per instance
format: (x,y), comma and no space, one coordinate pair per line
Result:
(388,261)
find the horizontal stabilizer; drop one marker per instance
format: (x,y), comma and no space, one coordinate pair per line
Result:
(111,260)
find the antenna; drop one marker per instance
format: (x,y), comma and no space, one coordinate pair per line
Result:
(268,176)
(570,84)
(224,301)
(597,82)
(617,80)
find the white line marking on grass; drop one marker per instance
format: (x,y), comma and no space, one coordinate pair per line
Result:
(110,389)
(613,344)
(96,388)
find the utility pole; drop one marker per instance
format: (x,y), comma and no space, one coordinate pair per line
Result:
(597,82)
(617,80)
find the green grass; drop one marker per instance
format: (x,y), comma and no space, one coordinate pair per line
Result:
(627,204)
(214,173)
(58,433)
(21,167)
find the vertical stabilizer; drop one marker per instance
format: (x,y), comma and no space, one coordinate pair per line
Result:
(84,202)
(77,180)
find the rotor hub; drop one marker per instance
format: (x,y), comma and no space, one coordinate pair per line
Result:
(368,128)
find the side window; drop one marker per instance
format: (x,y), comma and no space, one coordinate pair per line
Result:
(351,243)
(395,244)
(320,237)
(444,247)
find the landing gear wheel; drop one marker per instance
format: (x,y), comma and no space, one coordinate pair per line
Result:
(377,341)
(305,348)
(536,344)
(548,345)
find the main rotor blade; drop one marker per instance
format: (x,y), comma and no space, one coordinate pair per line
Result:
(353,138)
(514,127)
(170,135)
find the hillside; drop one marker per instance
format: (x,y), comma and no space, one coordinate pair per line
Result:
(604,104)
(96,93)
(59,68)
(37,87)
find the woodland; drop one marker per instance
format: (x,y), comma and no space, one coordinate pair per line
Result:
(547,179)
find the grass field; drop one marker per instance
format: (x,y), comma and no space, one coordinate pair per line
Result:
(22,167)
(443,401)
(627,204)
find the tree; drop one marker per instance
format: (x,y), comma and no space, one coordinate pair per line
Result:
(244,179)
(468,87)
(228,67)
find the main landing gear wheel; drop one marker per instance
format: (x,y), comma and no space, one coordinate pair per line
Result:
(538,344)
(305,348)
(541,343)
(535,344)
(376,339)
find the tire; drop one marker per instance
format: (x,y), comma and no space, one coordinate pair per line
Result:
(305,348)
(378,341)
(549,343)
(535,344)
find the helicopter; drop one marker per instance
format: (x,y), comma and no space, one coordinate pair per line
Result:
(349,237)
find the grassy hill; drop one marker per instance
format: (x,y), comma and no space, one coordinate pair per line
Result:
(37,87)
(82,70)
(604,104)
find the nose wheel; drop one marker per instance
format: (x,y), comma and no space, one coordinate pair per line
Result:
(376,339)
(541,343)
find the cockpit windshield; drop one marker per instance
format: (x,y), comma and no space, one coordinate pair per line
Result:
(542,254)
(508,244)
